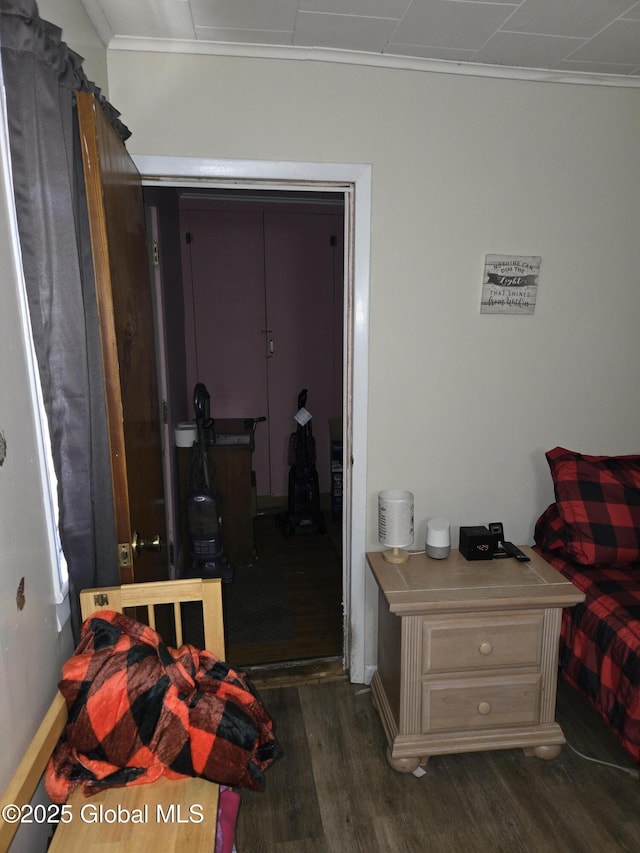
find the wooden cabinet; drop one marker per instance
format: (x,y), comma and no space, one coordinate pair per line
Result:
(467,655)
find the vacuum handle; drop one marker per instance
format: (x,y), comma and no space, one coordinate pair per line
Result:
(201,402)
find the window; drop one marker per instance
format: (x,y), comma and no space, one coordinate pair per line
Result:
(59,569)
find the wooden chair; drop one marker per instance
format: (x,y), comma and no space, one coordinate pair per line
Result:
(103,822)
(148,596)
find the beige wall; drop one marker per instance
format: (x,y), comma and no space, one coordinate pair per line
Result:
(461,406)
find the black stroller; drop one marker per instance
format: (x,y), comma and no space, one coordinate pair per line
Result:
(303,508)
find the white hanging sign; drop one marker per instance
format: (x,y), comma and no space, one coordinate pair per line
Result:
(510,284)
(302,416)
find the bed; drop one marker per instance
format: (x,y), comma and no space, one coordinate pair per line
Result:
(591,534)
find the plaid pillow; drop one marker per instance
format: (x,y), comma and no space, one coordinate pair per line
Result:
(549,531)
(598,499)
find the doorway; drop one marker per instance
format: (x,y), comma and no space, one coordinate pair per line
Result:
(353,182)
(262,283)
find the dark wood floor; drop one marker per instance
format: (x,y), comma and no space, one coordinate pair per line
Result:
(333,790)
(314,577)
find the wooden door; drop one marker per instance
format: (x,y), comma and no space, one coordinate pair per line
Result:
(118,243)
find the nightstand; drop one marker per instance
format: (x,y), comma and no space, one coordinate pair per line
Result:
(468,655)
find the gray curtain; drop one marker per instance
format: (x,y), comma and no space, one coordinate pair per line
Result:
(41,77)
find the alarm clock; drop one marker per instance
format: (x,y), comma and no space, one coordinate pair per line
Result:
(478,543)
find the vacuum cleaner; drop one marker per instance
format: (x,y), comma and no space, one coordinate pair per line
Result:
(303,500)
(203,504)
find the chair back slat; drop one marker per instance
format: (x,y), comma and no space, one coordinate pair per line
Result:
(177,620)
(151,616)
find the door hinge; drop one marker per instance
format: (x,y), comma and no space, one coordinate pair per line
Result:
(188,237)
(156,254)
(124,555)
(165,413)
(333,240)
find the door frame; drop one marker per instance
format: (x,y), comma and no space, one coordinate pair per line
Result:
(157,294)
(353,181)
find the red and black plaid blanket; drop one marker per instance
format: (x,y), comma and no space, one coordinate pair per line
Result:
(139,710)
(600,638)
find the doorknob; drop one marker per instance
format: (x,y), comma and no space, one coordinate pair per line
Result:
(140,544)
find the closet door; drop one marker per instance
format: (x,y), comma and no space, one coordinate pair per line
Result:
(263,317)
(303,298)
(223,265)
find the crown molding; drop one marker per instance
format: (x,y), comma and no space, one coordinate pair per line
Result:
(346,57)
(99,20)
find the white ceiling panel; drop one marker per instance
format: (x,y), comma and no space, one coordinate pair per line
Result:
(633,14)
(150,18)
(444,23)
(343,32)
(366,8)
(579,18)
(245,14)
(619,42)
(588,37)
(511,48)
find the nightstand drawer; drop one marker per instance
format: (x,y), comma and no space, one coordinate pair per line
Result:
(473,642)
(480,703)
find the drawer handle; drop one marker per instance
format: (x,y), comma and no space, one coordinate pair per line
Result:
(485,648)
(484,708)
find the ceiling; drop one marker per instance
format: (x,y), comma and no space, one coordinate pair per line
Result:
(580,40)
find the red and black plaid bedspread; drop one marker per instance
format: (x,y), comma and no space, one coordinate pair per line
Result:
(139,710)
(600,638)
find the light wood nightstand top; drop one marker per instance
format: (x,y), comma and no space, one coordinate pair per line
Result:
(424,585)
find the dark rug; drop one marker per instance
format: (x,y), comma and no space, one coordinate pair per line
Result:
(256,606)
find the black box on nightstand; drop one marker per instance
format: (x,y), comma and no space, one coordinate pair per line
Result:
(478,543)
